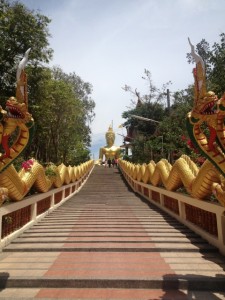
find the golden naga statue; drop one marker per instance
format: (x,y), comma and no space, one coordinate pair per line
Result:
(208,115)
(206,128)
(208,111)
(16,185)
(110,150)
(16,120)
(198,182)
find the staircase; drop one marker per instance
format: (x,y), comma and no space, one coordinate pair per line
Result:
(108,243)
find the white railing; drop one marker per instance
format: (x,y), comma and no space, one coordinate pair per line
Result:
(203,217)
(17,217)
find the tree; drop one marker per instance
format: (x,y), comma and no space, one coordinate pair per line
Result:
(60,117)
(81,90)
(60,103)
(172,126)
(20,29)
(149,106)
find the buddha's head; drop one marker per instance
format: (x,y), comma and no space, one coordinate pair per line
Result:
(110,137)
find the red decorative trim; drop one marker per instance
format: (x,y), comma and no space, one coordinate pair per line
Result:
(58,197)
(171,204)
(156,196)
(202,218)
(43,205)
(15,220)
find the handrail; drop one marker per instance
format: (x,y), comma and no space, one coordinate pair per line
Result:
(203,217)
(16,217)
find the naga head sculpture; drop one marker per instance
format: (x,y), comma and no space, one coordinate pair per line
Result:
(17,110)
(205,122)
(16,122)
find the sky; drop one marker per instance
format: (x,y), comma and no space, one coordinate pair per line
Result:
(109,43)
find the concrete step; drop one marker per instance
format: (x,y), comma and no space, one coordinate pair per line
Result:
(107,243)
(106,294)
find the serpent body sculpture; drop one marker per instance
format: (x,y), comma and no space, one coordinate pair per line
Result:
(208,113)
(19,184)
(205,124)
(198,182)
(16,121)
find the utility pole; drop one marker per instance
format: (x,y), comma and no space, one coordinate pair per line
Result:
(168,99)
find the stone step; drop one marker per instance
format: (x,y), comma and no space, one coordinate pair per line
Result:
(105,294)
(187,282)
(108,243)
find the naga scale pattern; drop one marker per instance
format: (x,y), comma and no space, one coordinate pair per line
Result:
(17,185)
(200,183)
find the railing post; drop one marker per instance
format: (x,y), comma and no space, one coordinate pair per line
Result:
(52,203)
(182,211)
(220,219)
(34,211)
(161,201)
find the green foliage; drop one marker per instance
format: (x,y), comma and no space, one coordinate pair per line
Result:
(60,116)
(20,29)
(147,143)
(171,131)
(148,110)
(167,139)
(18,163)
(60,103)
(81,90)
(214,59)
(173,125)
(79,155)
(50,170)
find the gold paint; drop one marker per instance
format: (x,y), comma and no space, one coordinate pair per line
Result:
(110,150)
(199,183)
(19,184)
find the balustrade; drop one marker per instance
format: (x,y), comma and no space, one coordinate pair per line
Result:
(203,217)
(16,217)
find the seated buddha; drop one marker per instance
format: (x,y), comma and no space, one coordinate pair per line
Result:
(109,151)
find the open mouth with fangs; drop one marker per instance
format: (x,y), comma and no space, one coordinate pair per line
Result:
(13,112)
(209,108)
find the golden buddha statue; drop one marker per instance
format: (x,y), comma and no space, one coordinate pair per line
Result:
(109,151)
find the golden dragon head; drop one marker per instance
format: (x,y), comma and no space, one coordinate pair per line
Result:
(16,119)
(205,106)
(17,110)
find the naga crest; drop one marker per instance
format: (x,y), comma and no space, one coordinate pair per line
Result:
(16,125)
(205,123)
